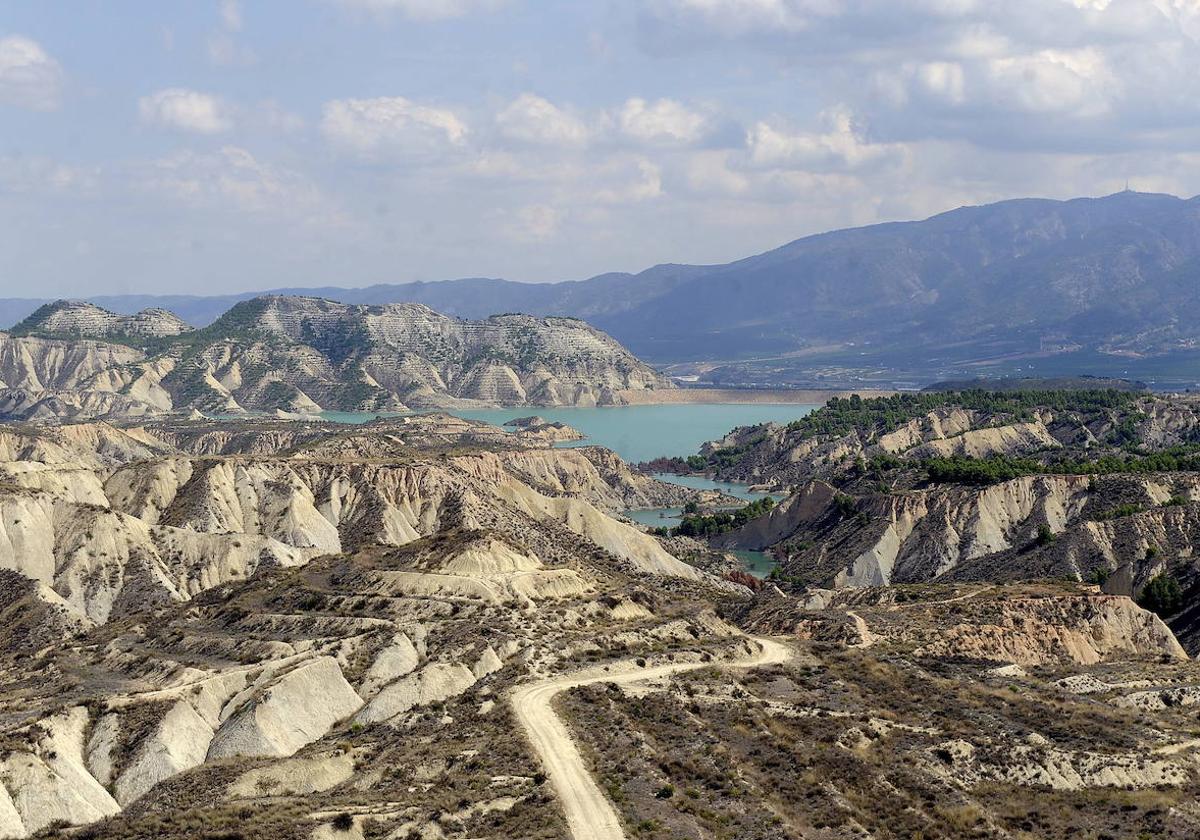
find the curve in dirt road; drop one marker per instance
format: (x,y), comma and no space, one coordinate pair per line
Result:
(590,816)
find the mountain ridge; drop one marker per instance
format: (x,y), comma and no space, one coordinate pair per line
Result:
(304,354)
(1112,276)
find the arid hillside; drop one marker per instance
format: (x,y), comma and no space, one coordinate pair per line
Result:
(304,355)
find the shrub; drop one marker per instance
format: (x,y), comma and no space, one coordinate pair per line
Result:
(1162,595)
(846,506)
(1044,535)
(703,525)
(343,822)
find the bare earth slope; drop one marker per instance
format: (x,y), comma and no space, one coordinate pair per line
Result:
(589,814)
(305,355)
(303,630)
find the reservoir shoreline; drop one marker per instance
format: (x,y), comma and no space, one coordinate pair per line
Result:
(743,396)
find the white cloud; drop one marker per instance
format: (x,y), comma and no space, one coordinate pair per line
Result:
(532,119)
(29,77)
(391,124)
(841,147)
(1076,81)
(424,9)
(1116,71)
(662,121)
(943,80)
(185,110)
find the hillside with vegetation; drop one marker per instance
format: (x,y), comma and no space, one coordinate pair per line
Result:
(1098,486)
(304,355)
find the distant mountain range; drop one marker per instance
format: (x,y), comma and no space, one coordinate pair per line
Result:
(1113,278)
(303,355)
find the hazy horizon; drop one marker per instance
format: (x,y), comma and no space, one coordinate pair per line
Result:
(317,285)
(218,147)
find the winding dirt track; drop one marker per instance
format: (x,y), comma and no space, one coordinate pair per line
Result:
(865,637)
(590,815)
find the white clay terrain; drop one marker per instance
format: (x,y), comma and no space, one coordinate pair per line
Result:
(428,627)
(300,356)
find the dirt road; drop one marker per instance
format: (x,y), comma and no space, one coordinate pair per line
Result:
(590,815)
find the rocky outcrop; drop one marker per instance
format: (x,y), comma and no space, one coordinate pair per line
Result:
(980,443)
(109,521)
(1039,631)
(595,474)
(1033,526)
(79,319)
(540,429)
(50,783)
(1022,624)
(829,447)
(279,715)
(304,355)
(487,569)
(1037,763)
(40,364)
(433,683)
(324,615)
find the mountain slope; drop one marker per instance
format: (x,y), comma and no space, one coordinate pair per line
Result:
(80,319)
(305,355)
(1114,275)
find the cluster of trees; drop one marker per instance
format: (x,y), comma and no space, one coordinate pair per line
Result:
(1162,595)
(960,469)
(842,415)
(711,524)
(715,461)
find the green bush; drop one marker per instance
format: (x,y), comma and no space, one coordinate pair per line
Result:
(707,525)
(884,414)
(1162,595)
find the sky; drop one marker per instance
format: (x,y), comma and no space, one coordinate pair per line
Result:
(215,146)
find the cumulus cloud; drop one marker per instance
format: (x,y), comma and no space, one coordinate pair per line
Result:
(661,121)
(1064,81)
(943,80)
(391,124)
(531,119)
(29,77)
(842,146)
(1114,71)
(185,110)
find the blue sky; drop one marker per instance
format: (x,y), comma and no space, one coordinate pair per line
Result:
(223,146)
